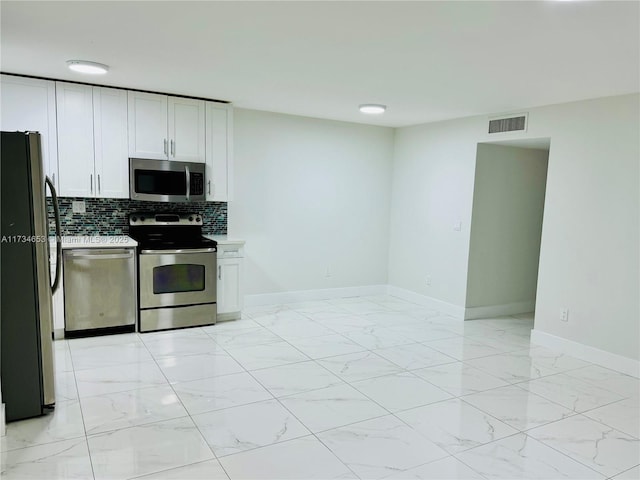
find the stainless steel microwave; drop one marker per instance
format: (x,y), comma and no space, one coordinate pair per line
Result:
(166,181)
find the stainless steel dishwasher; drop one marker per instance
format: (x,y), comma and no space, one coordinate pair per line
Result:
(100,289)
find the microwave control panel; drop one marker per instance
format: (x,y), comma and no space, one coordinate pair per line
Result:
(196,181)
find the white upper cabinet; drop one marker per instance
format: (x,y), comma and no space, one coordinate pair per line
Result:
(88,133)
(110,142)
(74,104)
(30,104)
(166,128)
(219,148)
(148,126)
(92,141)
(186,129)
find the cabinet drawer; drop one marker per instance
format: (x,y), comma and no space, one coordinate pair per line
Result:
(230,251)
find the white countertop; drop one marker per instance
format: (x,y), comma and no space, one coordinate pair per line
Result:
(96,241)
(225,239)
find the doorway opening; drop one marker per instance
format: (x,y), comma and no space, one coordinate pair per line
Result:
(506,228)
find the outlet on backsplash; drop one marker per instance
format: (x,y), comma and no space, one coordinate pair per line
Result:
(78,206)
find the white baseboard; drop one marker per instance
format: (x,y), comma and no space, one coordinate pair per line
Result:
(471,313)
(585,352)
(3,429)
(311,295)
(455,311)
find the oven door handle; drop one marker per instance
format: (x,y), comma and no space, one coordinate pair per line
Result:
(179,250)
(188,176)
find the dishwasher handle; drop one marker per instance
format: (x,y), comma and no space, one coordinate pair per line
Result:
(108,254)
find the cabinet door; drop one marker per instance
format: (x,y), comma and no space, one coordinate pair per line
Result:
(74,105)
(30,104)
(229,287)
(186,129)
(148,126)
(219,151)
(110,142)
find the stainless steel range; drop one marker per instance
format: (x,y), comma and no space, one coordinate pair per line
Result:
(176,271)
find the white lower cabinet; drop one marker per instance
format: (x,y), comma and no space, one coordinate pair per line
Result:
(230,290)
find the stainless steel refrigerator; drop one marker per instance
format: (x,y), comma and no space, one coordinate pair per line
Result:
(26,310)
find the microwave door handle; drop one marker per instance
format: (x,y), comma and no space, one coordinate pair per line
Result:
(188,175)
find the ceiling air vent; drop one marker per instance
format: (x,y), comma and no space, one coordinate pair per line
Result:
(515,123)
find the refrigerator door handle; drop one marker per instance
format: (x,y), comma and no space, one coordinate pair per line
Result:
(56,213)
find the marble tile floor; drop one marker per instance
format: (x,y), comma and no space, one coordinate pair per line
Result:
(366,387)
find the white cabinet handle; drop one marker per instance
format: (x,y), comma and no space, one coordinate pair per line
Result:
(91,183)
(165,146)
(173,148)
(219,272)
(99,188)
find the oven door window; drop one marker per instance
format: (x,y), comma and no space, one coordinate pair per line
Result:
(178,278)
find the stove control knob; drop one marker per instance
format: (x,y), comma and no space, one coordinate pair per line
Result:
(142,219)
(133,219)
(191,219)
(197,219)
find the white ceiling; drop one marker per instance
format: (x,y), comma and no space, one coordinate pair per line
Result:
(427,61)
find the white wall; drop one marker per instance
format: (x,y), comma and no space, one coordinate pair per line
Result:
(506,225)
(432,191)
(314,194)
(589,258)
(311,195)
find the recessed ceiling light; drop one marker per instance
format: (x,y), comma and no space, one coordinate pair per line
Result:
(92,68)
(372,108)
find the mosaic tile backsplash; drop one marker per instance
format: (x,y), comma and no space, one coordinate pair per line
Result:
(110,216)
